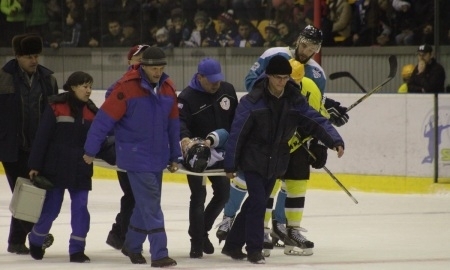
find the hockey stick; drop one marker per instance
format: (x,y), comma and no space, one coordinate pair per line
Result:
(346,74)
(392,73)
(332,176)
(181,169)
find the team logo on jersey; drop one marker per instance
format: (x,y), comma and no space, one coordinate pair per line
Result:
(180,106)
(316,73)
(225,103)
(255,66)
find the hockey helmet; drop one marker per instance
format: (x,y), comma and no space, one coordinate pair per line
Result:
(298,70)
(407,71)
(196,155)
(312,36)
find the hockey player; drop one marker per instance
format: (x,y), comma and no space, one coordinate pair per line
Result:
(308,43)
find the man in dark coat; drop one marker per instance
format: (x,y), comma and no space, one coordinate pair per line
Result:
(25,88)
(429,75)
(265,121)
(208,103)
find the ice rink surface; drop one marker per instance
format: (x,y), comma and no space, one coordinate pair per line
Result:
(383,231)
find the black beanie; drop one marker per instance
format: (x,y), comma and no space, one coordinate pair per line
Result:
(278,65)
(153,56)
(27,44)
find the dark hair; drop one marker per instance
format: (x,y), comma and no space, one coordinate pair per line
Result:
(77,78)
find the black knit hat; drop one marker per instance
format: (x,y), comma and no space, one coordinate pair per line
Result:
(153,56)
(27,44)
(278,65)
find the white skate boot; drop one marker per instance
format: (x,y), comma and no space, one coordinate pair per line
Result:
(224,227)
(296,244)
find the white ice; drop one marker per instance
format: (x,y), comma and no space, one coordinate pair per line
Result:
(383,231)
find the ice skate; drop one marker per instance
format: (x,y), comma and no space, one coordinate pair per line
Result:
(268,246)
(278,233)
(224,227)
(296,243)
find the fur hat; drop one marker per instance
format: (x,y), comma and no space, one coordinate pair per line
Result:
(278,65)
(27,44)
(153,56)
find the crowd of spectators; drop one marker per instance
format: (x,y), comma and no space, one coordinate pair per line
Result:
(222,23)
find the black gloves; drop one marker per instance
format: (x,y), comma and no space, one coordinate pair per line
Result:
(320,152)
(338,114)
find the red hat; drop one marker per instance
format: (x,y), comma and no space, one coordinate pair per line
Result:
(227,17)
(136,50)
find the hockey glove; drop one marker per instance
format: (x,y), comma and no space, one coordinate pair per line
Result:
(338,113)
(320,153)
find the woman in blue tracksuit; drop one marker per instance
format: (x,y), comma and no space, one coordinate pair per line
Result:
(57,154)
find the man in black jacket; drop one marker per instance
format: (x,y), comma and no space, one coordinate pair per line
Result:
(429,75)
(206,104)
(25,88)
(265,121)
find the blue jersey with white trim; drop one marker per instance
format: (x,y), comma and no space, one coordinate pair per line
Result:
(312,69)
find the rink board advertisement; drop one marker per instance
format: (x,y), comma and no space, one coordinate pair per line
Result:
(388,134)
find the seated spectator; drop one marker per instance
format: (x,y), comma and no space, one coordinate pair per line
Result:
(162,39)
(405,21)
(72,31)
(248,35)
(272,36)
(180,31)
(227,30)
(365,22)
(114,36)
(130,35)
(37,18)
(92,22)
(339,16)
(203,33)
(287,37)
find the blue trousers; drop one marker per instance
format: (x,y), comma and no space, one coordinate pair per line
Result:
(248,227)
(80,218)
(147,219)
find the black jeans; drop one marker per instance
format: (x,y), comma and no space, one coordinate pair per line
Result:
(202,219)
(18,229)
(126,206)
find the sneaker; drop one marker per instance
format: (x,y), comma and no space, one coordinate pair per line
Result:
(224,227)
(114,241)
(135,258)
(164,262)
(296,243)
(48,241)
(36,252)
(208,247)
(235,254)
(79,257)
(256,257)
(20,249)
